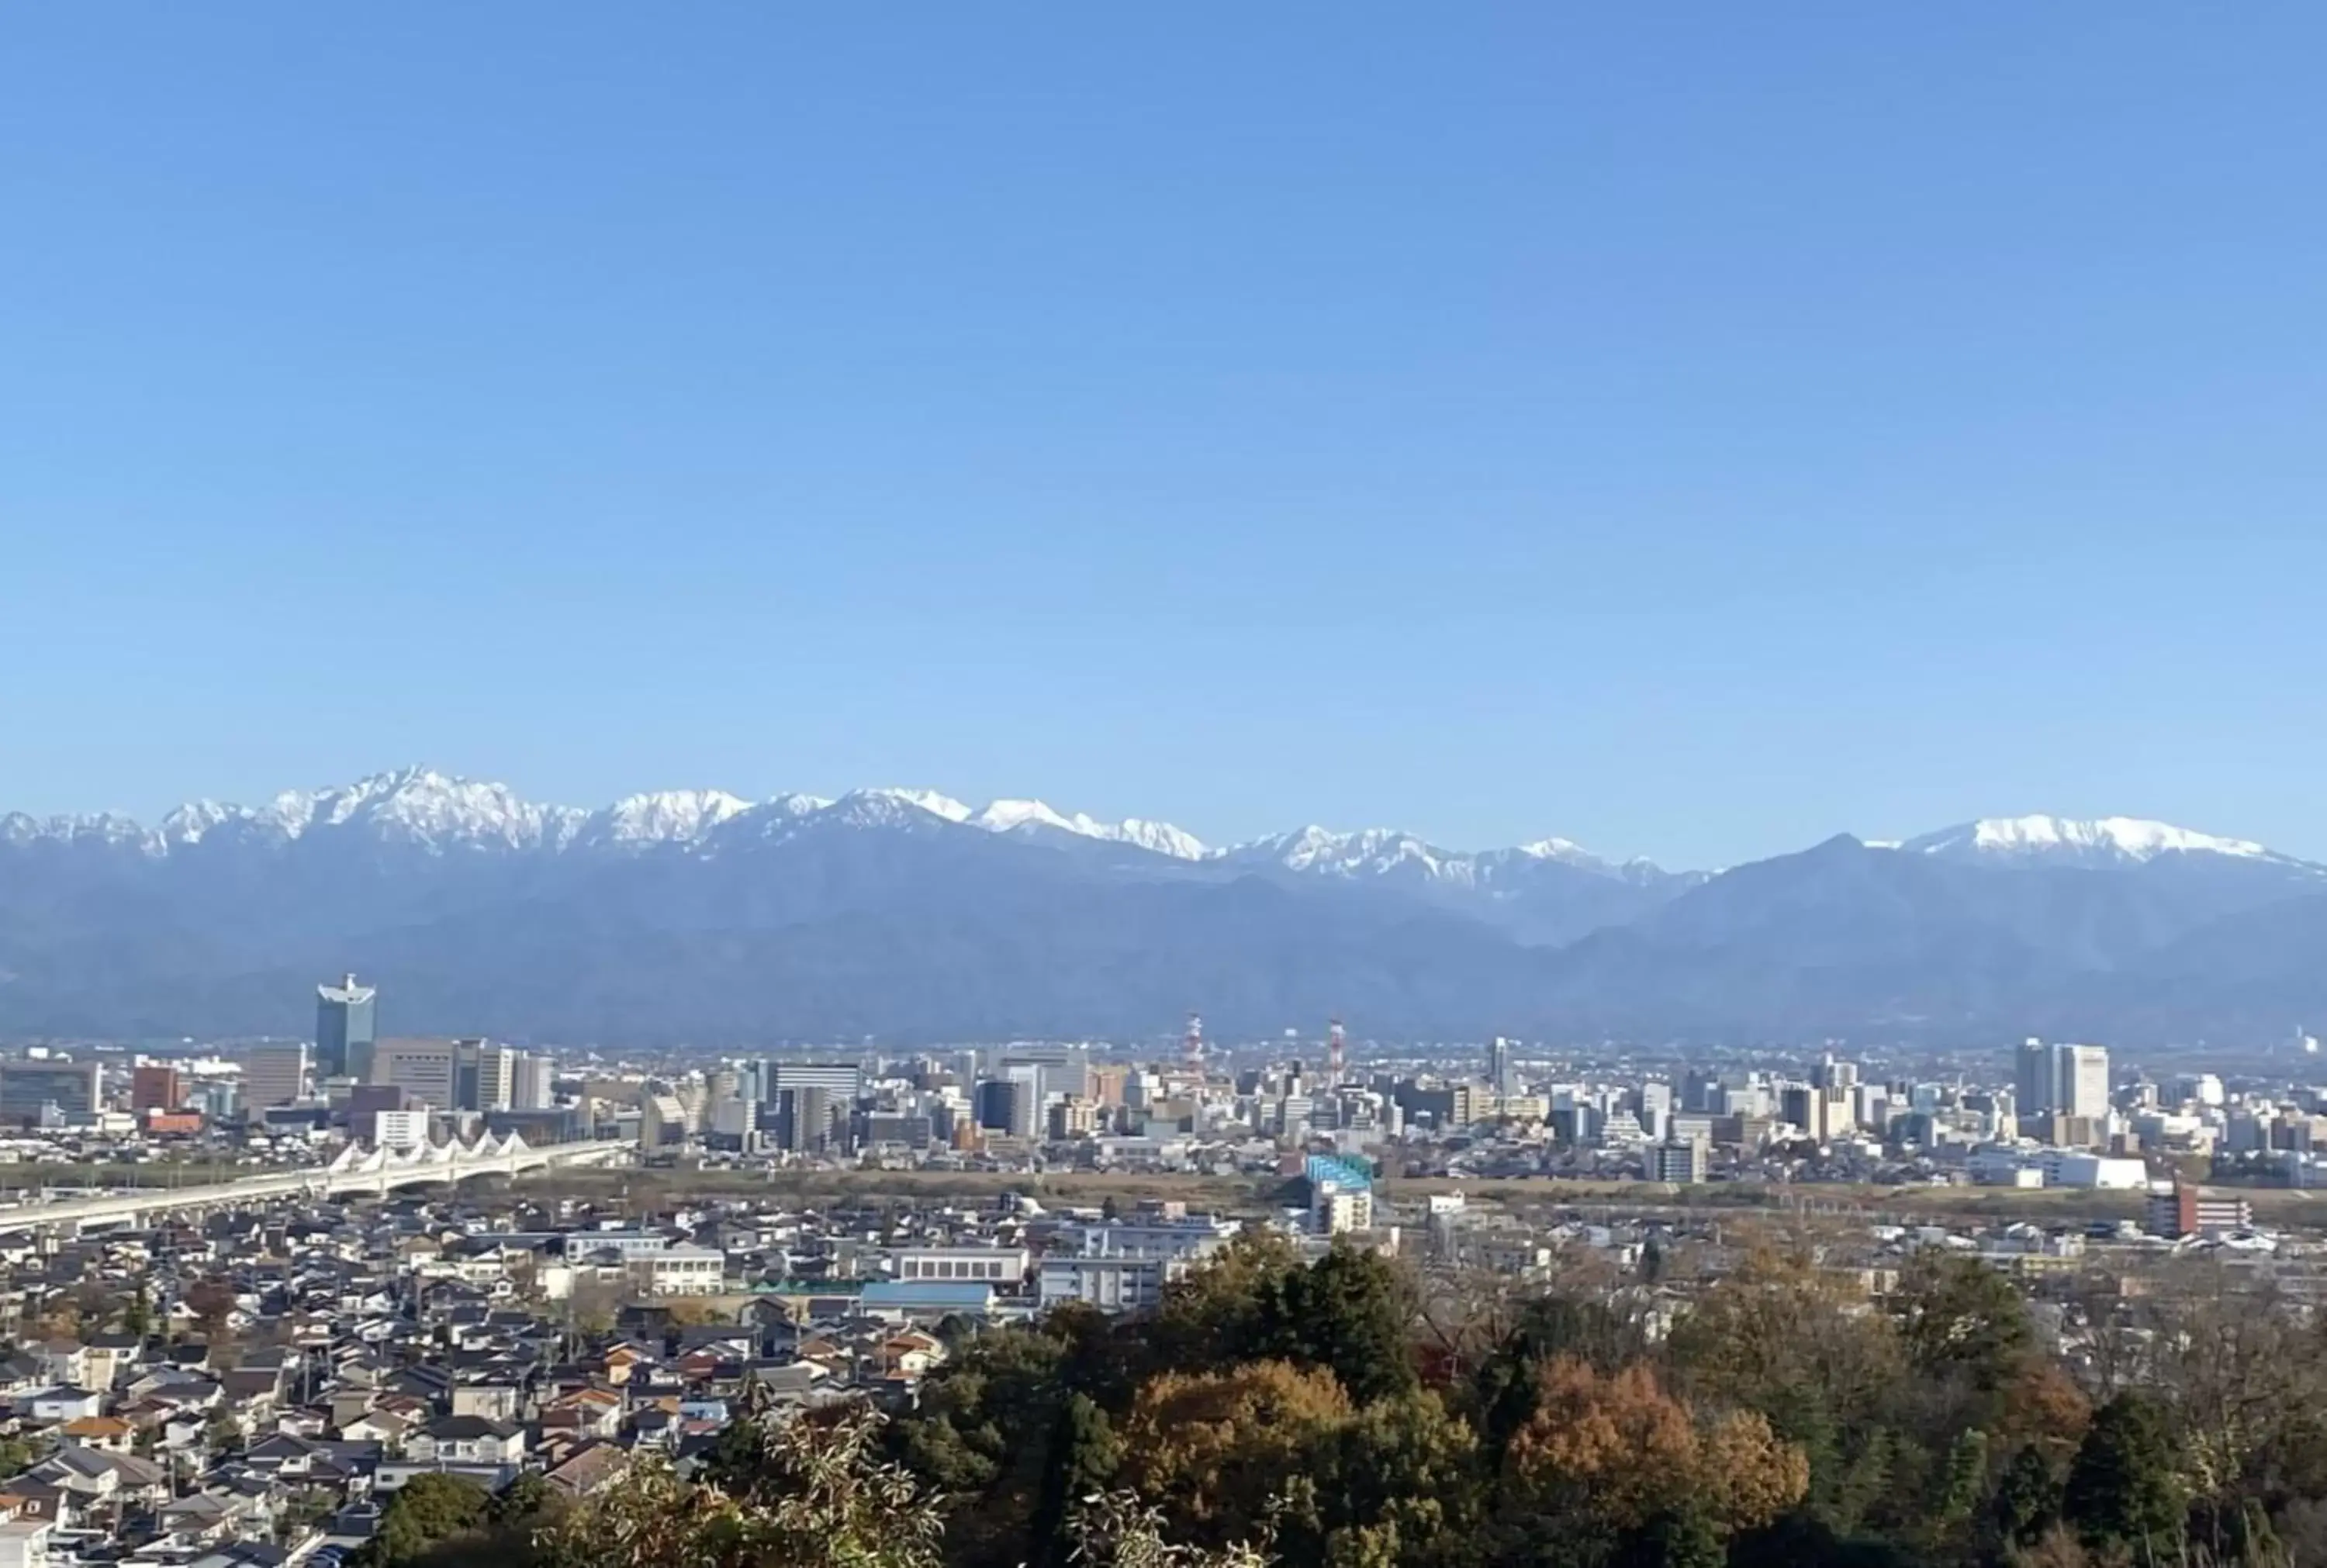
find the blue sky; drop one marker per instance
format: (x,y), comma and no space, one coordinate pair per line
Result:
(1692,430)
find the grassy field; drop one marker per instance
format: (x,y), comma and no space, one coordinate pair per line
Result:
(1546,1196)
(81,1177)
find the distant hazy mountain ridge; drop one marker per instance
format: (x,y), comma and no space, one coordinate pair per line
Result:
(697,913)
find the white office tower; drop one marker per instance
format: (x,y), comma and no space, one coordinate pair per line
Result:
(2061,1081)
(1656,1108)
(531,1088)
(2084,1080)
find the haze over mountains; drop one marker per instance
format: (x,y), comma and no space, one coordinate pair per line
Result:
(699,915)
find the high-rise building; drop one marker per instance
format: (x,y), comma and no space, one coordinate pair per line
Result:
(1009,1105)
(485,1076)
(1499,1065)
(804,1120)
(274,1075)
(662,1121)
(2061,1080)
(32,1091)
(1680,1161)
(155,1086)
(425,1070)
(346,1028)
(529,1088)
(2084,1078)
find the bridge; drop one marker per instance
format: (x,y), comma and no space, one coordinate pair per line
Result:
(356,1170)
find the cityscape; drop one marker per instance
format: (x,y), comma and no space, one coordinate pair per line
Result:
(216,1252)
(1290,786)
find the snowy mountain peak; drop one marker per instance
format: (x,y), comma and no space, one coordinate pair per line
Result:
(2070,841)
(661,816)
(1034,818)
(927,801)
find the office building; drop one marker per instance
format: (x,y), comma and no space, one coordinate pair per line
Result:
(398,1131)
(485,1076)
(1009,1105)
(425,1070)
(530,1087)
(2032,1090)
(1680,1161)
(734,1118)
(805,1118)
(155,1086)
(2084,1079)
(41,1093)
(2061,1080)
(842,1080)
(274,1075)
(2180,1210)
(912,1131)
(662,1122)
(1499,1065)
(346,1029)
(1073,1118)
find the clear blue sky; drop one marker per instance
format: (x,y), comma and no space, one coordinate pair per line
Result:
(1689,429)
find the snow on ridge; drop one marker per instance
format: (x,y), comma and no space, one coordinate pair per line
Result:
(2074,840)
(440,813)
(1008,816)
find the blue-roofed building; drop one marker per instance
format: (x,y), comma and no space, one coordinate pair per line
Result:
(1341,1171)
(1340,1194)
(903,1301)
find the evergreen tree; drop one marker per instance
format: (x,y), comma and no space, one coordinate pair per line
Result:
(2123,1490)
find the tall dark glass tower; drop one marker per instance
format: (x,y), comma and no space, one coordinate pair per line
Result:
(346,1025)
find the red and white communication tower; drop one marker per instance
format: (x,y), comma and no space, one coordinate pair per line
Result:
(1192,1050)
(1337,1053)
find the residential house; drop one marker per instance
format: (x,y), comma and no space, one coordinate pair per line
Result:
(467,1440)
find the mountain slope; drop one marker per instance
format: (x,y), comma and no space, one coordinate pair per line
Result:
(699,915)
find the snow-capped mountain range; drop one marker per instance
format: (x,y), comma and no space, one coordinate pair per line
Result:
(422,808)
(699,914)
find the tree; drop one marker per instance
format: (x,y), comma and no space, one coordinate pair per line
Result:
(1620,1454)
(1218,1448)
(1084,1456)
(17,1455)
(2122,1489)
(820,1497)
(983,1435)
(1118,1530)
(1503,1391)
(1351,1312)
(221,1430)
(1958,1317)
(137,1315)
(212,1303)
(426,1511)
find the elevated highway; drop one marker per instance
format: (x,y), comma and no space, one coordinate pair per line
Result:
(355,1172)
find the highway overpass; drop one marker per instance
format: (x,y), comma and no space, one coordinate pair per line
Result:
(355,1172)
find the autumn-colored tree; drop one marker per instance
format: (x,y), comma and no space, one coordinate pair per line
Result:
(1623,1451)
(1215,1448)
